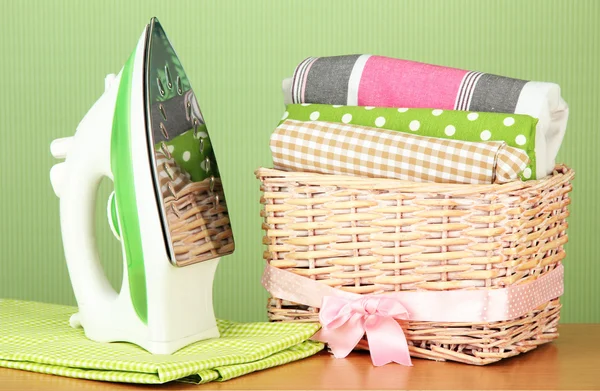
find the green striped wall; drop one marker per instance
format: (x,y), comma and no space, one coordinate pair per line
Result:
(54,55)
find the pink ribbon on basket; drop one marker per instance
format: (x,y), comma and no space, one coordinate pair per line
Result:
(346,321)
(345,317)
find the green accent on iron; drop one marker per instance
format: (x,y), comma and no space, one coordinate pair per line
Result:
(122,168)
(114,216)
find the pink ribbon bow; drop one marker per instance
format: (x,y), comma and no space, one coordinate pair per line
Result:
(345,322)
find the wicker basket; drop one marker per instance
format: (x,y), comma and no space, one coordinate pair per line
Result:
(196,213)
(199,223)
(373,236)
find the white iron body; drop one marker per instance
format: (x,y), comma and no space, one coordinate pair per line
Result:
(179,299)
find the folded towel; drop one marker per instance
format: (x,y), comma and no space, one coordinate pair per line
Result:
(190,150)
(37,337)
(332,148)
(516,130)
(365,80)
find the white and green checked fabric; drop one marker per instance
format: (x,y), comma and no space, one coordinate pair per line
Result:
(37,337)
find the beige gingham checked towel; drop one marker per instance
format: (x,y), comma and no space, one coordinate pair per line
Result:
(333,148)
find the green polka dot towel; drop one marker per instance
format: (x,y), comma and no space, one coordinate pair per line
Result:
(518,131)
(37,337)
(192,161)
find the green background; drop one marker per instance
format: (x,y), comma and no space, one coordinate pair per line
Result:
(54,56)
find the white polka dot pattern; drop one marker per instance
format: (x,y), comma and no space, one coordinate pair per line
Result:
(523,298)
(414,125)
(450,130)
(472,116)
(509,121)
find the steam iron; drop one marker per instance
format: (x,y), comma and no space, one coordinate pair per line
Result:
(147,134)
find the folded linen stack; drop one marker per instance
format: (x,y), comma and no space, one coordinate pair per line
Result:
(393,106)
(37,337)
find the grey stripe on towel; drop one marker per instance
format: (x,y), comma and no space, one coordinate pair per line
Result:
(328,84)
(178,120)
(496,94)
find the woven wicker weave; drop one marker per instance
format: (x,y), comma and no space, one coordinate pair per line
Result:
(372,236)
(197,215)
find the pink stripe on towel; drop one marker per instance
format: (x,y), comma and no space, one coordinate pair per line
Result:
(390,82)
(303,90)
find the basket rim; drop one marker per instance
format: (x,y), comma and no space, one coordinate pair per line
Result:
(562,173)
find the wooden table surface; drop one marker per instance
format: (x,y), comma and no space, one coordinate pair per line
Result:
(570,363)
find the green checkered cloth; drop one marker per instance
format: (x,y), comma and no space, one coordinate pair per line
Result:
(37,337)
